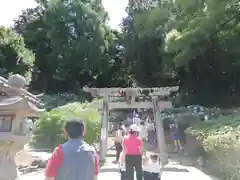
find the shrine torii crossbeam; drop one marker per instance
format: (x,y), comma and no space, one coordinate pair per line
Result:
(130,95)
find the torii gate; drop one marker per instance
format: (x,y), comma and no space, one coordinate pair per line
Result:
(130,95)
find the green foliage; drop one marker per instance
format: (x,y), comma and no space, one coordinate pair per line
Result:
(150,22)
(48,131)
(60,99)
(219,126)
(190,43)
(202,40)
(14,56)
(144,32)
(73,46)
(220,139)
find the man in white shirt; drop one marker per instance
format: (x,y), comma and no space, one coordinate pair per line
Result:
(137,121)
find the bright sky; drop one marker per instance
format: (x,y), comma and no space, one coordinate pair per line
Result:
(10,9)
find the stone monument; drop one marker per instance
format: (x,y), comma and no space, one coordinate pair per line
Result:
(16,104)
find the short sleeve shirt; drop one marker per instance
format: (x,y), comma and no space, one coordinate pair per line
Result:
(56,161)
(132,144)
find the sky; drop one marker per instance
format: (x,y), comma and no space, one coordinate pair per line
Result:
(10,9)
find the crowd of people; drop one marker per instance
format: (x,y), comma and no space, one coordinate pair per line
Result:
(133,155)
(67,160)
(130,153)
(147,133)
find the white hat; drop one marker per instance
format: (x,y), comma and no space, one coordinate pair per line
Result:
(134,128)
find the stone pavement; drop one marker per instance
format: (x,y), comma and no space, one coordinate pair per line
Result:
(174,170)
(181,172)
(110,171)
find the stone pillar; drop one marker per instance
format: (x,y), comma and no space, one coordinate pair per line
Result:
(8,150)
(104,131)
(160,133)
(10,143)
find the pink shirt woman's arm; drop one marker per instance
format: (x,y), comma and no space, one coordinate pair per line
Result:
(124,148)
(141,145)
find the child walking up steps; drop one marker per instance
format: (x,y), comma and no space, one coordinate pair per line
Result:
(152,167)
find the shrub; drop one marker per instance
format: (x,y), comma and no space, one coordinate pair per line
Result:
(220,139)
(48,131)
(60,99)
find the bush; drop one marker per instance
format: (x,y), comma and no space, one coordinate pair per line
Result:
(55,100)
(220,140)
(48,131)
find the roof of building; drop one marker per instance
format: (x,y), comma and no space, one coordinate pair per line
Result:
(15,97)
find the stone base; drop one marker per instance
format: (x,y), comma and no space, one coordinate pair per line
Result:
(8,149)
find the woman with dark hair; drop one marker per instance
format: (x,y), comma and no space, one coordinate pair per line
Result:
(132,149)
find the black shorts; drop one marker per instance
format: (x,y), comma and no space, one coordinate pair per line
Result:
(150,176)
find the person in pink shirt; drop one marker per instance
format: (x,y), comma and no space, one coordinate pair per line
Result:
(132,149)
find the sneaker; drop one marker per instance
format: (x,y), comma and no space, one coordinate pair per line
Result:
(175,150)
(115,162)
(181,148)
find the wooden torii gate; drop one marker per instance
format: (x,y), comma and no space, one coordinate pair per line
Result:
(130,95)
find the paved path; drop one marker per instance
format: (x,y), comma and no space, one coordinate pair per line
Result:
(183,173)
(110,171)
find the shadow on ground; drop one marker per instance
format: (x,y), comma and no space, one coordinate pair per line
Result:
(109,170)
(174,169)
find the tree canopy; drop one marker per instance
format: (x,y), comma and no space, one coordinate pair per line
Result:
(73,45)
(14,56)
(197,46)
(190,43)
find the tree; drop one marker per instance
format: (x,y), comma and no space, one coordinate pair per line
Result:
(188,43)
(204,48)
(144,35)
(72,44)
(14,56)
(30,24)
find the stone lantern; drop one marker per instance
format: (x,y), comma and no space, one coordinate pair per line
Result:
(16,104)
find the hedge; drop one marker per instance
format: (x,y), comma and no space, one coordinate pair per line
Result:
(220,140)
(54,100)
(48,131)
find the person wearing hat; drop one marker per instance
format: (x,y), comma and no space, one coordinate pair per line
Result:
(132,149)
(74,159)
